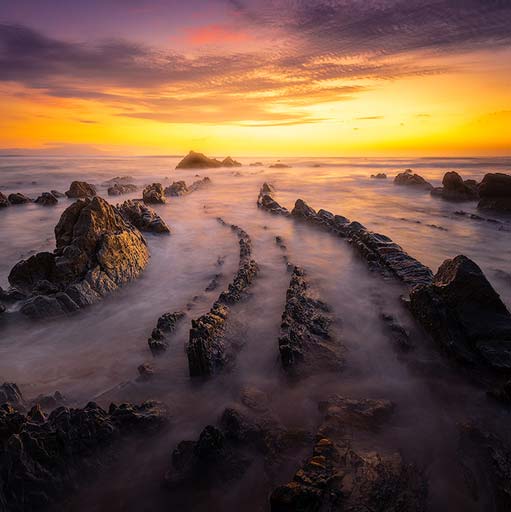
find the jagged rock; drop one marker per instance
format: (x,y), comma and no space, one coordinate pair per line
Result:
(143,217)
(49,402)
(195,160)
(154,194)
(47,199)
(408,178)
(166,325)
(266,201)
(229,162)
(379,176)
(495,192)
(43,458)
(19,198)
(178,188)
(4,202)
(96,253)
(81,189)
(455,189)
(57,194)
(305,343)
(465,315)
(119,189)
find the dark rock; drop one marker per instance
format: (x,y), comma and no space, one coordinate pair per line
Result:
(44,458)
(49,402)
(11,394)
(455,189)
(3,309)
(465,315)
(143,217)
(397,333)
(57,194)
(229,162)
(154,194)
(4,202)
(81,189)
(379,176)
(47,199)
(96,253)
(19,198)
(120,189)
(178,188)
(266,201)
(195,160)
(305,343)
(495,192)
(279,166)
(165,326)
(146,371)
(408,178)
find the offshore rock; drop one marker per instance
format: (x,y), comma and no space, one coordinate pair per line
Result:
(57,194)
(81,189)
(465,315)
(43,458)
(96,253)
(4,202)
(408,178)
(119,189)
(154,194)
(305,344)
(19,198)
(178,188)
(455,189)
(143,217)
(266,201)
(495,192)
(47,199)
(379,176)
(194,160)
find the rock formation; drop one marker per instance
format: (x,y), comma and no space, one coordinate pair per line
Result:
(194,160)
(495,192)
(47,199)
(465,315)
(305,343)
(44,457)
(57,194)
(154,194)
(455,189)
(3,201)
(119,189)
(279,165)
(81,189)
(206,350)
(97,251)
(19,198)
(408,178)
(266,201)
(165,326)
(379,176)
(179,188)
(143,217)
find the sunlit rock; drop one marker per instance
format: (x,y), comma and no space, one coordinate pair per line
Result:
(81,189)
(154,194)
(142,217)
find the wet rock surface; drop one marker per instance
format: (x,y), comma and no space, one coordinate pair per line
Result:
(465,315)
(97,251)
(196,160)
(119,189)
(166,325)
(154,194)
(456,189)
(81,189)
(305,342)
(206,350)
(19,198)
(410,179)
(143,217)
(47,199)
(495,192)
(46,457)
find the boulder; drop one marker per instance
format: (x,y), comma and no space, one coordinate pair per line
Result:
(120,189)
(81,189)
(408,178)
(19,198)
(455,189)
(154,194)
(465,315)
(495,192)
(97,251)
(143,217)
(47,199)
(3,201)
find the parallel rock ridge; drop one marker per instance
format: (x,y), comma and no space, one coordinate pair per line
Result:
(97,251)
(266,201)
(194,160)
(380,252)
(44,457)
(165,326)
(305,343)
(206,349)
(465,315)
(143,217)
(179,188)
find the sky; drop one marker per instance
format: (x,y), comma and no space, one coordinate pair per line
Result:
(260,77)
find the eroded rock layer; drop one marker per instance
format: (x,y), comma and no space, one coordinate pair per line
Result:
(143,217)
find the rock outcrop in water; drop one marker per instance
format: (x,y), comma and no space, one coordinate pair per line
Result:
(19,198)
(465,315)
(194,160)
(119,189)
(4,202)
(47,199)
(410,179)
(97,251)
(165,326)
(495,192)
(456,189)
(206,350)
(143,217)
(305,343)
(340,476)
(154,194)
(44,457)
(379,176)
(179,188)
(266,201)
(81,189)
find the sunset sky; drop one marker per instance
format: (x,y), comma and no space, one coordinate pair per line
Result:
(281,77)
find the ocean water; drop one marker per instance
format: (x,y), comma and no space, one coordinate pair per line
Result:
(95,354)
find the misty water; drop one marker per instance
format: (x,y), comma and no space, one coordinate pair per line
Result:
(94,355)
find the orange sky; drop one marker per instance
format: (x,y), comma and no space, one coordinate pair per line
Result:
(244,83)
